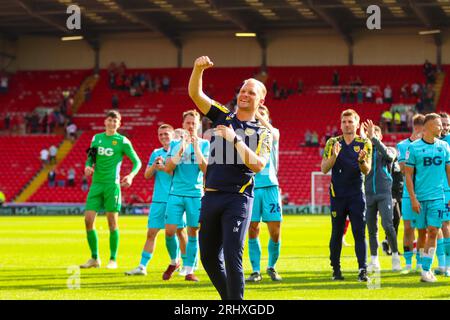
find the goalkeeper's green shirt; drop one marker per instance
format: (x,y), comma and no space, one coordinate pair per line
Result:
(110,151)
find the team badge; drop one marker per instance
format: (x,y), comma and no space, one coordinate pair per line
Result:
(439,149)
(249,131)
(333,213)
(228,118)
(357,148)
(114,142)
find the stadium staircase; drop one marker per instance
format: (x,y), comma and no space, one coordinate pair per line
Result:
(90,82)
(438,86)
(41,177)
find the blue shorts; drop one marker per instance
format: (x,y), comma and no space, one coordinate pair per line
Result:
(446,216)
(267,205)
(407,212)
(156,216)
(431,214)
(178,205)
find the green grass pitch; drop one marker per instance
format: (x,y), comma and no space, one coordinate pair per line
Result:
(36,252)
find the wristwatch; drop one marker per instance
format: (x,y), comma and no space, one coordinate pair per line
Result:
(237,139)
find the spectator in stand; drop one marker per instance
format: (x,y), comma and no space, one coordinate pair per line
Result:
(7,121)
(52,152)
(51,177)
(429,72)
(403,121)
(397,121)
(388,94)
(415,89)
(275,89)
(300,86)
(157,84)
(44,156)
(4,83)
(61,178)
(386,120)
(308,138)
(52,121)
(115,102)
(71,177)
(315,139)
(335,78)
(404,92)
(344,95)
(359,95)
(369,94)
(44,123)
(283,93)
(84,184)
(21,123)
(165,84)
(69,109)
(419,105)
(285,198)
(352,95)
(378,96)
(409,120)
(71,131)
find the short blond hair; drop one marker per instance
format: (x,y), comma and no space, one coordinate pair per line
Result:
(192,113)
(260,85)
(350,113)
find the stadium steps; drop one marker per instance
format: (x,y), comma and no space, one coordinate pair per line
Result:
(438,86)
(41,176)
(90,82)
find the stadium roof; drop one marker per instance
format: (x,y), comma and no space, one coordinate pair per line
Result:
(173,18)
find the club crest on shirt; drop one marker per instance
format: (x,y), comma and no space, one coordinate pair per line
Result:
(228,118)
(439,149)
(357,148)
(249,131)
(333,213)
(114,142)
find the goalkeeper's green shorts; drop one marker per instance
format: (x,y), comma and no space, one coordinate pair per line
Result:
(105,197)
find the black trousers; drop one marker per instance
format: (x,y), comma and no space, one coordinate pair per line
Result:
(224,221)
(355,207)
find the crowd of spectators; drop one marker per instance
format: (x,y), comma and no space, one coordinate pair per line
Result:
(283,92)
(136,83)
(66,178)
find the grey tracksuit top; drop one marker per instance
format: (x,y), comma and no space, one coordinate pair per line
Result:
(379,180)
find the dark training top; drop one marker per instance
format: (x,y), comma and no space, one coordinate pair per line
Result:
(346,177)
(226,170)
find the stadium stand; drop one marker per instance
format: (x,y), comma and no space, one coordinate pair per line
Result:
(22,162)
(317,107)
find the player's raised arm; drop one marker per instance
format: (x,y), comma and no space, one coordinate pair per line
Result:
(201,100)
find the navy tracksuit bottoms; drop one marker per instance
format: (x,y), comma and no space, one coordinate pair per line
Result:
(224,221)
(355,207)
